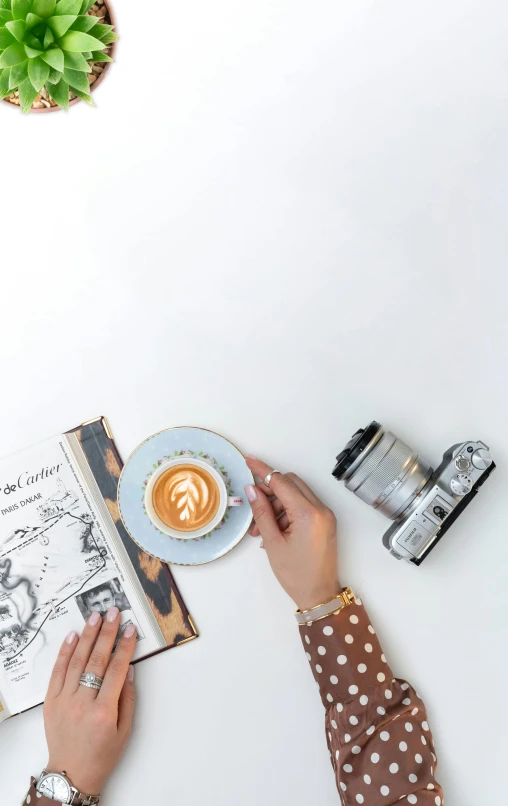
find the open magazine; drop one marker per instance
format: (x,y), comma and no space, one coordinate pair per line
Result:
(63,554)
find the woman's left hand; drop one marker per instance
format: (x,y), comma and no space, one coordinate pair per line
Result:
(87,730)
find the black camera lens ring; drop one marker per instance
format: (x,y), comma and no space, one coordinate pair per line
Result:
(354,448)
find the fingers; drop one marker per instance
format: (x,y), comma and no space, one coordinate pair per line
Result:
(264,515)
(82,652)
(305,489)
(57,679)
(289,488)
(126,704)
(101,652)
(116,673)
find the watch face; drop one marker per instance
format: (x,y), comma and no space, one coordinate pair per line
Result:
(55,787)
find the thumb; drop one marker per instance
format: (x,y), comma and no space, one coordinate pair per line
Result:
(263,513)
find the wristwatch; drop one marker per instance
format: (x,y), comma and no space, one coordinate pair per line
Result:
(56,786)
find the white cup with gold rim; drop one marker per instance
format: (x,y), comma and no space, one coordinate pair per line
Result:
(187,497)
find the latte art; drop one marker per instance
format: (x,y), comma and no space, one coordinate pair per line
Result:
(186,497)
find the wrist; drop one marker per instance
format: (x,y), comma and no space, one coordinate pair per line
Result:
(84,783)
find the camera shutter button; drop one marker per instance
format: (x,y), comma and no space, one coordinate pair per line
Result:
(482,459)
(462,463)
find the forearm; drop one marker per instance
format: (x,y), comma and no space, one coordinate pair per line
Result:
(378,736)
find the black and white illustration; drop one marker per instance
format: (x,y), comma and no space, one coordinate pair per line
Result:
(103,596)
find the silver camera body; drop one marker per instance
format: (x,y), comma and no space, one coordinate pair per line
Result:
(423,503)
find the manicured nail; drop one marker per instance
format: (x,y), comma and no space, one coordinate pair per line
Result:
(251,492)
(130,674)
(112,614)
(71,637)
(250,456)
(94,618)
(129,630)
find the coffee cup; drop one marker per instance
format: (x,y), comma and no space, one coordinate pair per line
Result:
(187,498)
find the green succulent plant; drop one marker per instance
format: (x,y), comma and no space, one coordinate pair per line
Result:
(51,44)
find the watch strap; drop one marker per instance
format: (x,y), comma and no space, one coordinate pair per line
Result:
(306,617)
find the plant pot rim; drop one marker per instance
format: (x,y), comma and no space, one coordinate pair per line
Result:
(96,84)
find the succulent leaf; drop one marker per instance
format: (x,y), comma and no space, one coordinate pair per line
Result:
(50,43)
(60,25)
(27,95)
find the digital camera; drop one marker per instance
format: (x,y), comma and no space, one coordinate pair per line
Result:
(423,503)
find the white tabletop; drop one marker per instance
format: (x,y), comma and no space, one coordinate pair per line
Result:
(283,220)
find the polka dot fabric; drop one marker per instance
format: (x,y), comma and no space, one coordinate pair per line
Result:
(379,739)
(36,798)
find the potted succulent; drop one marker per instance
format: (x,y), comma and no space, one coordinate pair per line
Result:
(52,53)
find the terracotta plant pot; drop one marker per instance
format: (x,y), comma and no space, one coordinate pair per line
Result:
(100,79)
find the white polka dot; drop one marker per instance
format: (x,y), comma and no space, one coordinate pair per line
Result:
(341,660)
(424,740)
(321,650)
(327,630)
(28,798)
(425,725)
(418,758)
(330,736)
(433,756)
(334,680)
(39,794)
(353,689)
(371,629)
(347,768)
(339,707)
(413,778)
(404,686)
(438,800)
(329,698)
(381,710)
(334,724)
(370,731)
(388,694)
(358,601)
(381,677)
(307,639)
(384,735)
(367,779)
(362,668)
(337,754)
(359,798)
(364,699)
(393,768)
(412,799)
(347,737)
(385,790)
(356,749)
(343,786)
(318,668)
(414,712)
(307,655)
(403,746)
(353,619)
(374,758)
(430,786)
(349,639)
(353,720)
(408,727)
(368,647)
(383,658)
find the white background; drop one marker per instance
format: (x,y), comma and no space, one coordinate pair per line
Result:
(284,219)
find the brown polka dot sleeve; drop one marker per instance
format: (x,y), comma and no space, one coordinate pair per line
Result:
(34,797)
(379,740)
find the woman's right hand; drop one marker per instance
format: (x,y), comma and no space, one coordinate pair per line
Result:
(299,534)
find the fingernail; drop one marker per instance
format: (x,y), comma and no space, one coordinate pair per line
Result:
(112,614)
(130,674)
(129,630)
(94,618)
(71,637)
(250,456)
(251,492)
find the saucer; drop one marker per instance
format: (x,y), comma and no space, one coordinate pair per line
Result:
(174,443)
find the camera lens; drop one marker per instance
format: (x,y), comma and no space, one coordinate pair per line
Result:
(382,470)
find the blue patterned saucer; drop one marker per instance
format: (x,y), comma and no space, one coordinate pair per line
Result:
(171,444)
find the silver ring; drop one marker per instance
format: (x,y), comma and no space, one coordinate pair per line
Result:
(90,680)
(267,479)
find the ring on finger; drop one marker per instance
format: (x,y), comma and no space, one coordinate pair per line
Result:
(90,680)
(267,479)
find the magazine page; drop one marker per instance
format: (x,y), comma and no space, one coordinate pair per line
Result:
(58,564)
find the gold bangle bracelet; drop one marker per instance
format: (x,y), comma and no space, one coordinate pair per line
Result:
(345,598)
